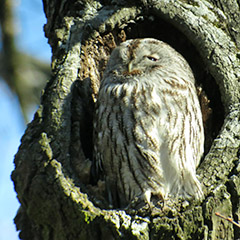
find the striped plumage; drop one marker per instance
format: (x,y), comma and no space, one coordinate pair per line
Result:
(148,125)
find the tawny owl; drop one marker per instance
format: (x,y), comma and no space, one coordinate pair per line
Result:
(148,126)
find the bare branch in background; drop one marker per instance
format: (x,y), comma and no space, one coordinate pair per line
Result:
(24,74)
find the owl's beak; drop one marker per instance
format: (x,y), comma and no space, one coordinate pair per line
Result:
(130,65)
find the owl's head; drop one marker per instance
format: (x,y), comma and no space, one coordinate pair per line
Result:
(144,56)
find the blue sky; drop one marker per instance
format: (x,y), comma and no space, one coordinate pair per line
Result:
(30,19)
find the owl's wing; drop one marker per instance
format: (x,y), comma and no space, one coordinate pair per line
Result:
(96,168)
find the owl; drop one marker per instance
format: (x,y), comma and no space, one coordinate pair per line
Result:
(148,129)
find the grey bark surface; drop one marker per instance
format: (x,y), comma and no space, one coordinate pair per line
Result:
(52,165)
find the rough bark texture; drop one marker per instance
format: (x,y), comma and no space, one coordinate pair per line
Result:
(52,165)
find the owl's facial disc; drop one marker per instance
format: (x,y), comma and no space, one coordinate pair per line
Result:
(141,61)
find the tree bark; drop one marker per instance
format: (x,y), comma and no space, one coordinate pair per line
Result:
(52,174)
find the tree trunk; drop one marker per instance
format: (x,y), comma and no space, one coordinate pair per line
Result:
(52,174)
